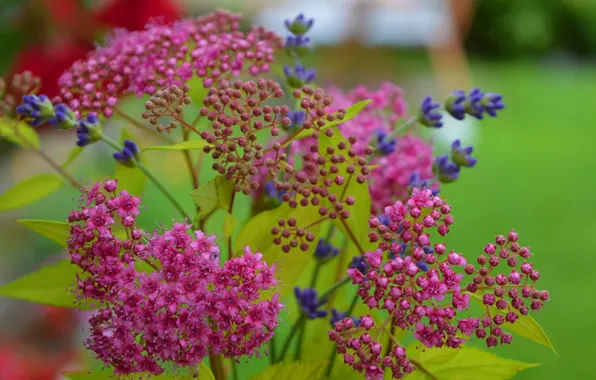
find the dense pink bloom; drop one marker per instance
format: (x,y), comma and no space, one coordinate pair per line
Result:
(386,109)
(209,46)
(177,308)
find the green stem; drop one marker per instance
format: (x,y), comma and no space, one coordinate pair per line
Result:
(235,370)
(299,322)
(298,353)
(272,349)
(333,356)
(217,367)
(402,128)
(151,177)
(334,287)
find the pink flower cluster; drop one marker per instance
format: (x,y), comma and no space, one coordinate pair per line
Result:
(209,46)
(387,107)
(365,354)
(164,298)
(390,181)
(421,289)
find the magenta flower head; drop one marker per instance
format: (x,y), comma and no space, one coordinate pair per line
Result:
(429,115)
(185,307)
(461,156)
(89,130)
(300,25)
(129,154)
(299,75)
(445,170)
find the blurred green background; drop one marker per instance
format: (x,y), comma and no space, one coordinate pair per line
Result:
(534,159)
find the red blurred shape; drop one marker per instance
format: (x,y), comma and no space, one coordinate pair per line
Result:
(134,14)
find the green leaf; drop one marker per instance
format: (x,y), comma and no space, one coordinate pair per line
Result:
(186,145)
(215,194)
(351,112)
(132,180)
(465,363)
(229,224)
(257,235)
(525,326)
(48,286)
(74,153)
(29,191)
(197,92)
(205,373)
(26,137)
(56,231)
(311,370)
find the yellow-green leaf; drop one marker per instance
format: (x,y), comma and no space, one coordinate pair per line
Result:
(186,145)
(465,363)
(229,224)
(74,153)
(56,231)
(19,133)
(525,326)
(257,235)
(216,193)
(197,92)
(132,180)
(302,370)
(205,373)
(29,191)
(50,285)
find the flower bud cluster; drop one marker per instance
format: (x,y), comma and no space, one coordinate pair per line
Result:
(168,103)
(209,46)
(366,354)
(177,310)
(19,85)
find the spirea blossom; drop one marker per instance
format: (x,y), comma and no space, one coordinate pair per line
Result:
(209,46)
(427,300)
(164,297)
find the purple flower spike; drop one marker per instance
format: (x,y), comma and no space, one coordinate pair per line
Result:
(299,75)
(475,103)
(445,170)
(325,251)
(89,131)
(38,110)
(300,25)
(309,303)
(429,115)
(337,316)
(385,145)
(462,156)
(129,155)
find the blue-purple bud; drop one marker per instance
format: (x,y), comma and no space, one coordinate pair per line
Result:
(89,131)
(416,181)
(300,25)
(337,316)
(384,144)
(299,75)
(359,263)
(475,103)
(297,119)
(36,109)
(309,303)
(445,170)
(429,115)
(129,155)
(64,118)
(462,156)
(325,251)
(298,45)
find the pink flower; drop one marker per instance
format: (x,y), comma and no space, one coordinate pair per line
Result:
(126,204)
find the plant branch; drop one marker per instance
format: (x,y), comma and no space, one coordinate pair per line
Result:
(230,210)
(422,369)
(352,236)
(140,125)
(217,366)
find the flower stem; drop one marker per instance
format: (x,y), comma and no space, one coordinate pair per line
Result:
(230,210)
(403,127)
(352,236)
(299,322)
(140,125)
(152,178)
(333,356)
(217,367)
(419,366)
(235,370)
(272,349)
